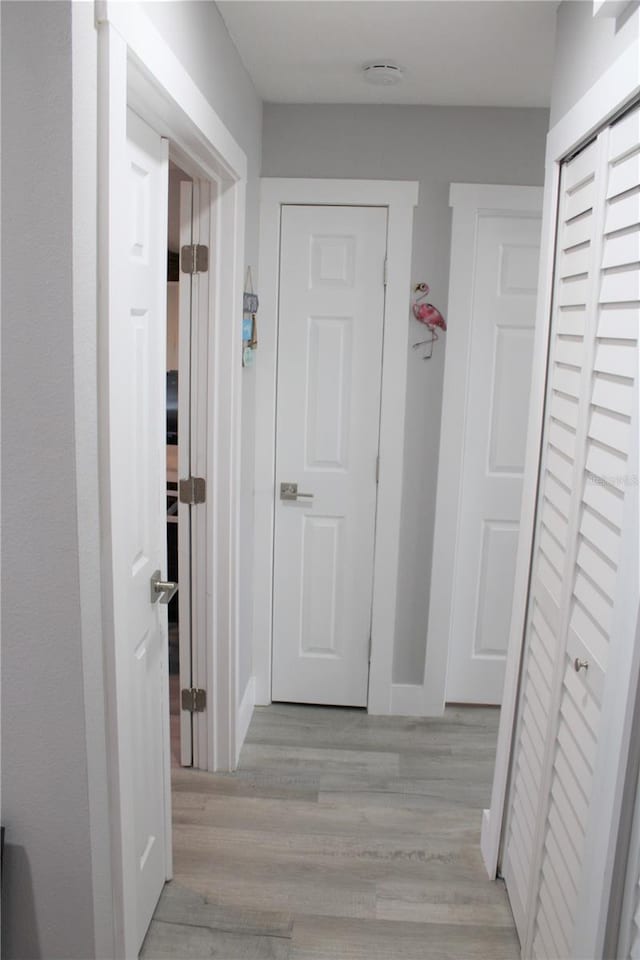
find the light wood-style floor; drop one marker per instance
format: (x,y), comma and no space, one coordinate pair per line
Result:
(340,837)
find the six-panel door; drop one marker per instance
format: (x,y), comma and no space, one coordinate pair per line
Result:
(138,504)
(328,410)
(498,383)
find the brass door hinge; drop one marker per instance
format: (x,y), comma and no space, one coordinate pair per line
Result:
(194,700)
(194,258)
(192,490)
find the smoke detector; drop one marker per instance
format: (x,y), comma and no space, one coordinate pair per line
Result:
(382,73)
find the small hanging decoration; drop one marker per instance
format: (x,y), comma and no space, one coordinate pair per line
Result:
(429,315)
(249,325)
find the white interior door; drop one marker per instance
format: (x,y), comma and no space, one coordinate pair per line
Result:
(138,518)
(329,373)
(502,318)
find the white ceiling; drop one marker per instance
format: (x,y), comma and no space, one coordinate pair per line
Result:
(455,52)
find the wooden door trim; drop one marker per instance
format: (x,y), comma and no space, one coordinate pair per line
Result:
(400,197)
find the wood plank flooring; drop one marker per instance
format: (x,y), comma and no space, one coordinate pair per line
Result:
(340,837)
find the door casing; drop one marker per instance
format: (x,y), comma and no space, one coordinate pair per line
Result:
(400,197)
(137,69)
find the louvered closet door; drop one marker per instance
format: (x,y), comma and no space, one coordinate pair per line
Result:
(588,480)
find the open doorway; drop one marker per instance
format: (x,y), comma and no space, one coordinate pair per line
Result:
(177,569)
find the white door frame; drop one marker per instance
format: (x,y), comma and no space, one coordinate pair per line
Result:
(469,201)
(400,198)
(618,86)
(137,69)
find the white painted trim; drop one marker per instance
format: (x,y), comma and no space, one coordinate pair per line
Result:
(137,69)
(245,713)
(618,86)
(400,197)
(407,699)
(86,427)
(189,107)
(469,201)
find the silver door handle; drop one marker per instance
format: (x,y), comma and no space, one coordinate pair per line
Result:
(289,491)
(162,590)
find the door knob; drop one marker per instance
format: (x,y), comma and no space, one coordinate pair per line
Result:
(289,491)
(579,664)
(162,590)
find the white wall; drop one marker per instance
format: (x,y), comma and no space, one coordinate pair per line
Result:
(196,32)
(585,47)
(56,890)
(435,145)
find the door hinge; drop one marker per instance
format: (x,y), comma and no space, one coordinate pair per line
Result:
(194,258)
(385,272)
(192,490)
(194,700)
(377,470)
(370,645)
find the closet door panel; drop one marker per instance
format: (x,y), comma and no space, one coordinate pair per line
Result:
(551,559)
(584,570)
(612,456)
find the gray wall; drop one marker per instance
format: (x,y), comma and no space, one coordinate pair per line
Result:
(48,905)
(435,145)
(586,46)
(196,32)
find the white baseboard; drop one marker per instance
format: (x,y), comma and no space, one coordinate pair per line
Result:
(245,713)
(407,699)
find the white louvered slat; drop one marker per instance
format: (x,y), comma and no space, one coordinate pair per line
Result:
(575,261)
(609,428)
(564,409)
(621,285)
(550,559)
(589,633)
(622,248)
(569,351)
(562,438)
(625,136)
(585,482)
(580,200)
(623,211)
(625,174)
(580,170)
(570,858)
(578,230)
(571,320)
(619,322)
(566,380)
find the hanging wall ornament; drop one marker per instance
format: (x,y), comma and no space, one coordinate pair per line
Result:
(429,315)
(249,323)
